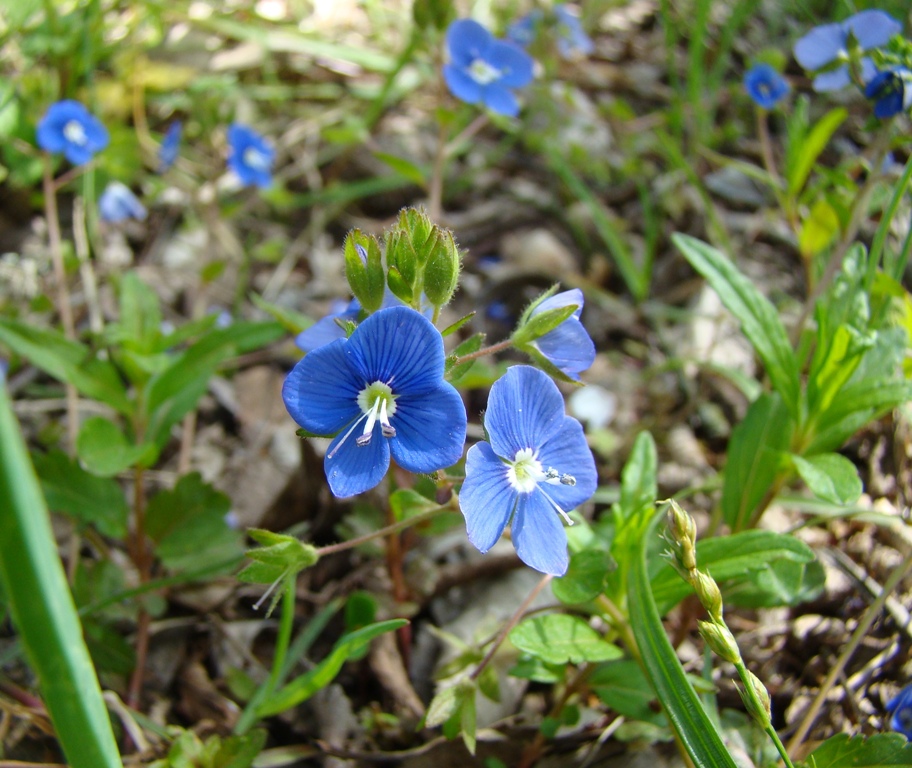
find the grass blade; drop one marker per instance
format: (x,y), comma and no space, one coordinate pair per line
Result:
(43,609)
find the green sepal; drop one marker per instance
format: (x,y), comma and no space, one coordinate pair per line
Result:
(364,269)
(542,323)
(399,285)
(280,556)
(454,369)
(450,329)
(441,274)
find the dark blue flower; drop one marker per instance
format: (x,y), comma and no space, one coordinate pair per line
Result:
(891,90)
(765,85)
(828,45)
(167,152)
(70,128)
(250,156)
(118,203)
(536,468)
(900,708)
(483,69)
(568,346)
(386,381)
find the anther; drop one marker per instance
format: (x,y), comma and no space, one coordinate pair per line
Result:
(567,479)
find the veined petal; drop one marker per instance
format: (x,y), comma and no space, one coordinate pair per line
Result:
(568,452)
(321,391)
(872,28)
(539,535)
(351,468)
(833,81)
(486,499)
(525,408)
(514,64)
(467,40)
(326,329)
(461,85)
(500,100)
(561,300)
(569,347)
(820,46)
(399,347)
(430,430)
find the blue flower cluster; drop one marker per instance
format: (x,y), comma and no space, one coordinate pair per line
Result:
(857,50)
(765,86)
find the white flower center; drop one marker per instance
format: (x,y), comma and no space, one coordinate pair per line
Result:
(255,159)
(74,132)
(526,474)
(483,73)
(377,403)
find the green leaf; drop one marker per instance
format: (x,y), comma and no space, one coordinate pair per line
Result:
(38,596)
(696,732)
(830,476)
(758,317)
(303,687)
(140,316)
(818,230)
(638,478)
(188,525)
(754,456)
(809,149)
(403,167)
(585,578)
(622,685)
(781,582)
(279,556)
(880,750)
(291,321)
(834,362)
(240,751)
(406,503)
(105,451)
(559,638)
(737,557)
(454,369)
(86,498)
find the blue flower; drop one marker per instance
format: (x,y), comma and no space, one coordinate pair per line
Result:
(326,329)
(765,85)
(572,41)
(70,128)
(828,45)
(484,69)
(118,203)
(535,469)
(250,156)
(568,346)
(386,380)
(891,90)
(900,707)
(167,152)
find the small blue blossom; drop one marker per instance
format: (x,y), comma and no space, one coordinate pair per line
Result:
(765,85)
(572,41)
(326,329)
(70,128)
(167,152)
(568,346)
(828,45)
(535,469)
(386,381)
(118,203)
(483,69)
(900,708)
(891,90)
(250,156)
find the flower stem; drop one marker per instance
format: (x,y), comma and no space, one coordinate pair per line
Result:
(513,621)
(141,560)
(418,519)
(283,641)
(498,347)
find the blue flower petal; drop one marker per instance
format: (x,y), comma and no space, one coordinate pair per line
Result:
(430,429)
(569,347)
(872,28)
(571,40)
(832,81)
(51,132)
(321,392)
(765,85)
(326,329)
(523,32)
(486,499)
(461,85)
(561,300)
(467,40)
(901,708)
(244,143)
(118,203)
(525,408)
(539,535)
(568,452)
(820,46)
(170,146)
(498,99)
(351,468)
(399,347)
(514,64)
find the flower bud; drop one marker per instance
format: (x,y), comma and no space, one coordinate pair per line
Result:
(758,706)
(720,639)
(708,592)
(684,535)
(441,275)
(364,269)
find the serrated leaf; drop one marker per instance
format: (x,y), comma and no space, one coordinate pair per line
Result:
(83,496)
(830,476)
(880,750)
(558,638)
(585,577)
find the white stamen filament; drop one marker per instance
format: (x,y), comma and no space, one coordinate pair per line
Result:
(525,473)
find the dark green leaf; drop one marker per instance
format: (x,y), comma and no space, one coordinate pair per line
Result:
(558,638)
(880,750)
(638,478)
(585,578)
(810,147)
(105,451)
(622,685)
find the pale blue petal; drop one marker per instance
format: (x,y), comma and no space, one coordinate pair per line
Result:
(321,391)
(326,329)
(539,536)
(467,40)
(523,32)
(820,46)
(572,40)
(461,85)
(97,137)
(486,499)
(351,468)
(514,64)
(569,347)
(49,137)
(498,99)
(430,429)
(399,347)
(77,154)
(832,81)
(568,452)
(561,300)
(872,28)
(525,408)
(118,203)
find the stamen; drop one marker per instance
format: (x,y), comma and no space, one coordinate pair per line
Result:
(556,507)
(386,429)
(351,429)
(567,479)
(365,437)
